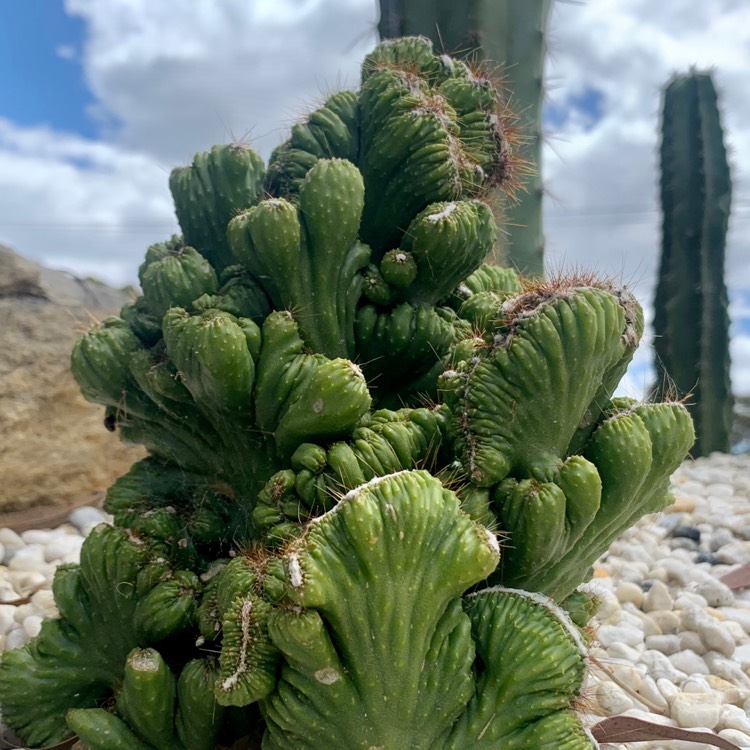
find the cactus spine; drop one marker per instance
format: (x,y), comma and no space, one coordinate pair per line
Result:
(510,34)
(691,320)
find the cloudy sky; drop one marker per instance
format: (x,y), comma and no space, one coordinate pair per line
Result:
(102,98)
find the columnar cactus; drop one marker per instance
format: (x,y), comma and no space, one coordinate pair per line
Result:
(691,320)
(379,469)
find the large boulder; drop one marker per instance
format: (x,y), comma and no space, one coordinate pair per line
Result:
(54,450)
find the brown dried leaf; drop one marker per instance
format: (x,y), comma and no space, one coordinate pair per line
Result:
(618,729)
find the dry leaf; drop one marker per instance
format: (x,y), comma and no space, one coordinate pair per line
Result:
(620,729)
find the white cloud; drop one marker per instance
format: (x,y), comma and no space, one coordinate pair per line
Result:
(85,206)
(171,78)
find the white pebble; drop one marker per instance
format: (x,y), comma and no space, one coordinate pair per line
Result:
(650,692)
(608,635)
(10,541)
(733,717)
(691,641)
(689,600)
(44,603)
(622,651)
(716,637)
(696,684)
(667,688)
(612,699)
(736,552)
(7,618)
(32,624)
(629,592)
(30,557)
(739,615)
(36,536)
(668,622)
(87,515)
(63,548)
(667,644)
(660,666)
(24,582)
(716,593)
(15,638)
(726,669)
(696,709)
(657,598)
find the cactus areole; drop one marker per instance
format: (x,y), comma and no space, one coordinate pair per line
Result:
(378,468)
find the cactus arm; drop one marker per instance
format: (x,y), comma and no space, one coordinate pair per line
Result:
(301,397)
(385,442)
(100,730)
(537,358)
(146,700)
(208,193)
(299,253)
(198,716)
(511,36)
(108,605)
(357,576)
(635,452)
(504,714)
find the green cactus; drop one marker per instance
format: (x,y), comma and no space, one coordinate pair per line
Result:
(512,37)
(691,320)
(343,407)
(207,194)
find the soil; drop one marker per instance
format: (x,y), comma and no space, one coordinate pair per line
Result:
(55,453)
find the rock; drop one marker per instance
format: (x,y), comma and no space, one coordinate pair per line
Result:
(666,644)
(733,553)
(629,592)
(32,624)
(706,557)
(660,666)
(657,598)
(612,699)
(719,538)
(56,451)
(608,635)
(696,709)
(715,593)
(86,516)
(668,622)
(733,717)
(687,532)
(691,641)
(651,694)
(15,638)
(689,662)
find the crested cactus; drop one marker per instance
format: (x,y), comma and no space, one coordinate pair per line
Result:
(691,320)
(348,414)
(512,36)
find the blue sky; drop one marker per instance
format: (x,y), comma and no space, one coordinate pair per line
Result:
(41,77)
(102,98)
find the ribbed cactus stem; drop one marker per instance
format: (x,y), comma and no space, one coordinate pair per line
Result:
(691,321)
(510,35)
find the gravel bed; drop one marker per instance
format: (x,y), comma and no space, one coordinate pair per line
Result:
(672,641)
